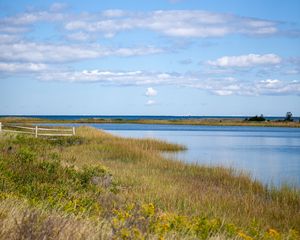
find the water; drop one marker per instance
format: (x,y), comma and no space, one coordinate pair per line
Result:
(269,154)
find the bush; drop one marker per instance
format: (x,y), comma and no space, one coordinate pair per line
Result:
(256,119)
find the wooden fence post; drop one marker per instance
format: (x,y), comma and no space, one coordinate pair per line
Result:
(73,131)
(36,131)
(0,126)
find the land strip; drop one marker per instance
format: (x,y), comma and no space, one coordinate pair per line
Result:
(199,122)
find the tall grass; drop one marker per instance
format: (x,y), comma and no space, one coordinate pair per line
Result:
(20,220)
(98,178)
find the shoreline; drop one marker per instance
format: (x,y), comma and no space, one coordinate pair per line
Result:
(199,121)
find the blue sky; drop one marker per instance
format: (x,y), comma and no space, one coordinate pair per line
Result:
(138,57)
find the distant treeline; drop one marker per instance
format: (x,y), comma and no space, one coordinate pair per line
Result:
(261,118)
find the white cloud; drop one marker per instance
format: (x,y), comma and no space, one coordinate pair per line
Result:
(8,38)
(174,23)
(114,13)
(277,87)
(12,29)
(246,60)
(112,78)
(79,36)
(270,81)
(150,102)
(32,17)
(151,92)
(177,23)
(223,92)
(22,67)
(222,86)
(40,52)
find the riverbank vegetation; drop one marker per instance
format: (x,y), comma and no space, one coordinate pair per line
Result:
(98,186)
(187,121)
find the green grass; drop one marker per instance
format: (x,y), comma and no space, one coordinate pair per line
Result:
(100,186)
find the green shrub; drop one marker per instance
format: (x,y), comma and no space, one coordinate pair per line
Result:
(66,141)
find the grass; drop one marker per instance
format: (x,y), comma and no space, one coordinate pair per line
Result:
(110,187)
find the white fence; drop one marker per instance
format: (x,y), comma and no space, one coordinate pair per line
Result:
(37,130)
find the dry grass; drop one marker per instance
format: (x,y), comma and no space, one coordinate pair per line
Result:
(19,220)
(187,189)
(190,194)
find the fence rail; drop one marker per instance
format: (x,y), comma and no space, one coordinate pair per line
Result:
(37,131)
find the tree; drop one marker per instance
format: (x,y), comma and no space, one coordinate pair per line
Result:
(256,118)
(289,117)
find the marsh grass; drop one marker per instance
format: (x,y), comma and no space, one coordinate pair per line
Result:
(96,177)
(20,220)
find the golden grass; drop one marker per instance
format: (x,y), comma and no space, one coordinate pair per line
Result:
(19,220)
(183,192)
(187,189)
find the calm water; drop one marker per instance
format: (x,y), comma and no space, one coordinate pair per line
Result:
(271,155)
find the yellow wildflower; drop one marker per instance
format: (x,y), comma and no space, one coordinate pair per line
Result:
(273,232)
(244,236)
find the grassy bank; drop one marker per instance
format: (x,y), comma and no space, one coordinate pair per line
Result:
(98,186)
(200,122)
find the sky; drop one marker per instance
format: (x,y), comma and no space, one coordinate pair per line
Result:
(142,57)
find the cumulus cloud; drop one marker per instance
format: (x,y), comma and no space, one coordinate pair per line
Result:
(12,29)
(222,86)
(8,38)
(21,67)
(114,13)
(277,87)
(115,77)
(41,60)
(150,102)
(223,92)
(151,92)
(246,60)
(41,52)
(29,18)
(176,23)
(79,36)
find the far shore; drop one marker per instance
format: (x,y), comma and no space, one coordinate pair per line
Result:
(192,121)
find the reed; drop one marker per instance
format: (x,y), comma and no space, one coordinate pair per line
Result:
(131,187)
